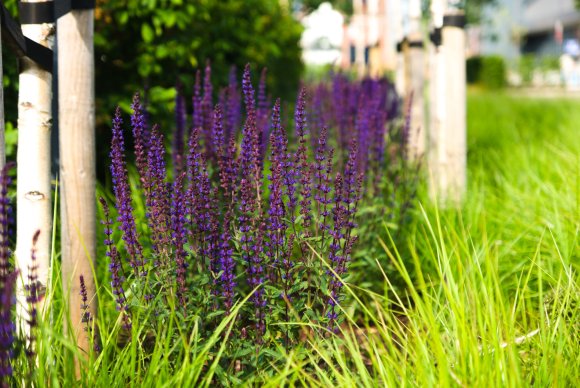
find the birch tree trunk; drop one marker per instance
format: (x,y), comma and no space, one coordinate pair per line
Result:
(76,87)
(34,206)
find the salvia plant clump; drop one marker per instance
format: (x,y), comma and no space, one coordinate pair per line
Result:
(255,218)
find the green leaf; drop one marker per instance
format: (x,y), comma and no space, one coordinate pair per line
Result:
(147,33)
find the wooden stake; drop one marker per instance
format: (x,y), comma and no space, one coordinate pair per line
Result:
(415,81)
(449,167)
(437,95)
(416,86)
(76,87)
(33,191)
(397,29)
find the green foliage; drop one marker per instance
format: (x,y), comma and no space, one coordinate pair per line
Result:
(490,71)
(529,63)
(473,69)
(493,72)
(156,42)
(526,68)
(344,6)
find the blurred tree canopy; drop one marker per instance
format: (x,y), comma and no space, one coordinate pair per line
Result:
(157,43)
(473,9)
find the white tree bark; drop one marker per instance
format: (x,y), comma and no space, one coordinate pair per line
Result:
(76,85)
(34,206)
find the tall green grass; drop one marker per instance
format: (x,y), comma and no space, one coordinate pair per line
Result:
(492,289)
(490,292)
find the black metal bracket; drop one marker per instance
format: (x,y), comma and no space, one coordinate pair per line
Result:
(436,36)
(457,20)
(36,13)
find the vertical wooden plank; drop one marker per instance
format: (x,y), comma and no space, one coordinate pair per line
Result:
(360,41)
(397,28)
(77,155)
(416,82)
(33,191)
(437,99)
(451,178)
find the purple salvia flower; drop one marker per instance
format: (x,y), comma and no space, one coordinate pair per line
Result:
(145,113)
(233,106)
(7,283)
(302,166)
(276,224)
(335,256)
(123,194)
(158,198)
(219,139)
(207,113)
(280,155)
(316,115)
(340,105)
(347,195)
(262,115)
(194,160)
(226,156)
(197,100)
(250,154)
(5,212)
(115,266)
(227,266)
(256,280)
(141,138)
(32,288)
(179,133)
(179,236)
(7,326)
(362,126)
(352,184)
(251,241)
(322,182)
(86,316)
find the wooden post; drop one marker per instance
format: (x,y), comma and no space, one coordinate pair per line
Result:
(33,191)
(360,40)
(450,174)
(416,82)
(76,87)
(437,96)
(400,58)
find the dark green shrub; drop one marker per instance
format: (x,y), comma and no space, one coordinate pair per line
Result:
(493,72)
(526,68)
(473,69)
